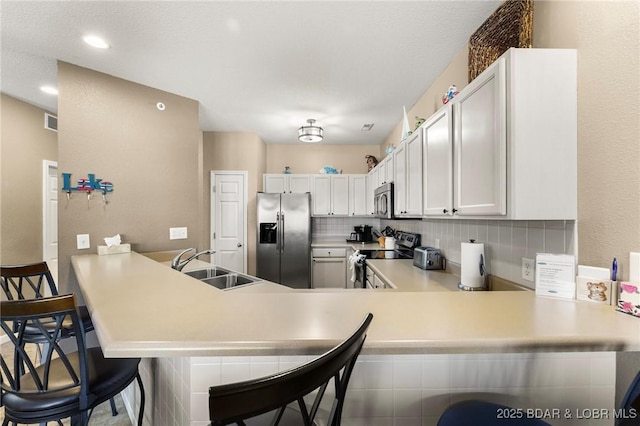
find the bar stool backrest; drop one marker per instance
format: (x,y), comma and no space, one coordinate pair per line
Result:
(235,402)
(27,281)
(61,377)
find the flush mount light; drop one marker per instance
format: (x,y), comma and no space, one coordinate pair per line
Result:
(95,41)
(310,133)
(49,90)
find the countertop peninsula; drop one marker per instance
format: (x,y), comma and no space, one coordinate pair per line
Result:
(142,308)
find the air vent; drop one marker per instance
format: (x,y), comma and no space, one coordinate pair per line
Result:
(50,122)
(366,127)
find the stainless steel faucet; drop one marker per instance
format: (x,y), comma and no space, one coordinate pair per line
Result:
(178,265)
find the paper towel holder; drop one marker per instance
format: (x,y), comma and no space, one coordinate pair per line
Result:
(481,274)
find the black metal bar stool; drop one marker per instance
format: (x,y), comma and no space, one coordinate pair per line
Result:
(30,281)
(63,384)
(237,402)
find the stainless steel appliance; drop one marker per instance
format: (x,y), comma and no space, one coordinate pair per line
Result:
(428,258)
(383,201)
(405,244)
(284,238)
(361,234)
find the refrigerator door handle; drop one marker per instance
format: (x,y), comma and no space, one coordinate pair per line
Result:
(278,232)
(282,231)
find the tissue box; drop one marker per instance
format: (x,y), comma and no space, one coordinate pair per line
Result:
(629,298)
(115,249)
(594,290)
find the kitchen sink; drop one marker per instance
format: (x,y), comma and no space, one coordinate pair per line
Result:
(221,278)
(228,281)
(214,271)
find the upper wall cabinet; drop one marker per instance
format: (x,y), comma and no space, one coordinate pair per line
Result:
(408,176)
(358,195)
(437,163)
(480,145)
(513,133)
(294,183)
(330,195)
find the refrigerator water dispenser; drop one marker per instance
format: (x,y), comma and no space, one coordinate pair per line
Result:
(268,233)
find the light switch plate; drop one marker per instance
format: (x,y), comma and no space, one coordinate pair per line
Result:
(178,233)
(83,242)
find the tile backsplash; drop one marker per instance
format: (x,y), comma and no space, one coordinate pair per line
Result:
(408,390)
(506,241)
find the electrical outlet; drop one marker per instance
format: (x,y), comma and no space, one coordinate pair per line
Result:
(178,233)
(528,266)
(437,243)
(82,241)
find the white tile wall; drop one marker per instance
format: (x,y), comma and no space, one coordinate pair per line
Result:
(403,390)
(506,241)
(338,227)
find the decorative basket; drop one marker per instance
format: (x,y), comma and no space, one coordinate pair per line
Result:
(511,25)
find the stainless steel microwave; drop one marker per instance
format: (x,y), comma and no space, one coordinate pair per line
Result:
(383,201)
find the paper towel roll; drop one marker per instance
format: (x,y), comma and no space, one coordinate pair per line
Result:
(389,244)
(472,275)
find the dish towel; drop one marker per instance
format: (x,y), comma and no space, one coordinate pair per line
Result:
(353,259)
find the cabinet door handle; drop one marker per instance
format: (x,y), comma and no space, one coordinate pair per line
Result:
(455,210)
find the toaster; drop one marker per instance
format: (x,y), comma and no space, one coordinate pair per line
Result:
(428,258)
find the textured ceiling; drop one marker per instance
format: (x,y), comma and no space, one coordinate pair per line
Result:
(254,66)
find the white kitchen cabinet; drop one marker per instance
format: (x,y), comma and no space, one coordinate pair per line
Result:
(358,195)
(514,141)
(329,268)
(408,177)
(437,163)
(293,183)
(480,145)
(399,184)
(387,172)
(374,281)
(382,170)
(372,184)
(330,195)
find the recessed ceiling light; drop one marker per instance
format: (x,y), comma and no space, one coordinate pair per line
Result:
(49,89)
(95,41)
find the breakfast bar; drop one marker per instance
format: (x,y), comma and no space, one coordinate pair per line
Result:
(511,341)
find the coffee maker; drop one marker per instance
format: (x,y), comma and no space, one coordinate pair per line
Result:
(361,234)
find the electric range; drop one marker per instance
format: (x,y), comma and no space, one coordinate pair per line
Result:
(405,243)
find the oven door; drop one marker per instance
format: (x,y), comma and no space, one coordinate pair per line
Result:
(359,274)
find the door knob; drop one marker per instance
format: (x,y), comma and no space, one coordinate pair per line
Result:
(239,244)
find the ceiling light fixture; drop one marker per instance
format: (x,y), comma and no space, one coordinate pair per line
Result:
(310,133)
(49,90)
(95,41)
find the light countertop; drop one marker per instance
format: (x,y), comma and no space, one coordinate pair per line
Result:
(405,277)
(142,308)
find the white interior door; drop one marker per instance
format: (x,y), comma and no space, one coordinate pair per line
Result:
(229,219)
(50,216)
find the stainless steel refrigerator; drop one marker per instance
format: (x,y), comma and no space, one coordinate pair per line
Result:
(284,238)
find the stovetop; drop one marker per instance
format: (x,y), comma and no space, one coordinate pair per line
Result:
(405,243)
(387,254)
